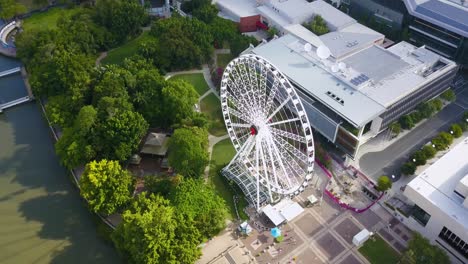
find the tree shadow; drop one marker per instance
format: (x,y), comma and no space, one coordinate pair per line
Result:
(64,217)
(30,166)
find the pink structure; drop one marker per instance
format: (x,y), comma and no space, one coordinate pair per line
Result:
(345,205)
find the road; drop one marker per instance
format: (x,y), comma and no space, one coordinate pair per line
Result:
(389,160)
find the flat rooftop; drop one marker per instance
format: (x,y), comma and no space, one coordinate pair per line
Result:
(452,15)
(374,77)
(287,55)
(240,8)
(437,183)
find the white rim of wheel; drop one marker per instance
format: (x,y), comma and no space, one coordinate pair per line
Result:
(267,124)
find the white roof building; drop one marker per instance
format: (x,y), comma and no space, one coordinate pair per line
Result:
(440,194)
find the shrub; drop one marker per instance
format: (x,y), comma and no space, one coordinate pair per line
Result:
(384,183)
(436,104)
(463,125)
(448,95)
(456,130)
(429,151)
(416,116)
(395,127)
(442,141)
(408,168)
(418,157)
(426,110)
(279,239)
(318,26)
(406,122)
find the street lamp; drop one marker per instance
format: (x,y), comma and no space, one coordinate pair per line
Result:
(451,132)
(414,160)
(433,145)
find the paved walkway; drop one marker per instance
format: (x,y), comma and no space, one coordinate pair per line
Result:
(101,57)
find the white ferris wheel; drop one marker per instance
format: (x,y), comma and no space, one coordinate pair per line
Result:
(269,129)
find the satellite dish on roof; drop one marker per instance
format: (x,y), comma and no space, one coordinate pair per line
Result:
(323,52)
(334,68)
(342,66)
(307,47)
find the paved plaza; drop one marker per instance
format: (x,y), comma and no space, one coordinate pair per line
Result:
(323,233)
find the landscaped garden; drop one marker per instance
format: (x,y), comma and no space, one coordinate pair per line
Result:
(211,106)
(222,154)
(47,20)
(195,79)
(377,251)
(118,55)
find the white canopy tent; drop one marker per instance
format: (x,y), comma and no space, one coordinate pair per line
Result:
(286,210)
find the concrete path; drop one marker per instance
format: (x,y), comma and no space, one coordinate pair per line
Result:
(212,141)
(170,74)
(101,57)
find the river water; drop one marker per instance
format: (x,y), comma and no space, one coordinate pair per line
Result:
(42,218)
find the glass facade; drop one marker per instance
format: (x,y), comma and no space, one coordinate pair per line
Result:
(454,241)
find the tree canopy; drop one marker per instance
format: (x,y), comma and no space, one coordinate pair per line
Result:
(384,183)
(198,201)
(318,26)
(106,186)
(188,152)
(10,8)
(153,232)
(123,18)
(420,251)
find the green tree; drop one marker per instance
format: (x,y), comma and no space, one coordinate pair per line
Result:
(183,43)
(179,100)
(106,186)
(272,31)
(429,151)
(463,125)
(406,122)
(408,168)
(189,6)
(206,13)
(448,95)
(456,130)
(436,104)
(384,183)
(240,42)
(162,185)
(123,18)
(420,251)
(188,151)
(318,26)
(395,127)
(198,201)
(10,9)
(119,135)
(74,147)
(419,158)
(153,232)
(443,140)
(223,30)
(63,72)
(426,110)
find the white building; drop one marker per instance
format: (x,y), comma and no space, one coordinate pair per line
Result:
(374,86)
(441,208)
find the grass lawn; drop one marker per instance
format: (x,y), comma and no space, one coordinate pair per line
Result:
(377,251)
(47,20)
(211,106)
(223,59)
(118,55)
(223,152)
(195,79)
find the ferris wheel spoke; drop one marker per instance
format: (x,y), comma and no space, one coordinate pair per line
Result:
(239,103)
(285,173)
(239,115)
(279,107)
(284,121)
(271,96)
(240,125)
(265,168)
(270,154)
(289,135)
(240,80)
(293,150)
